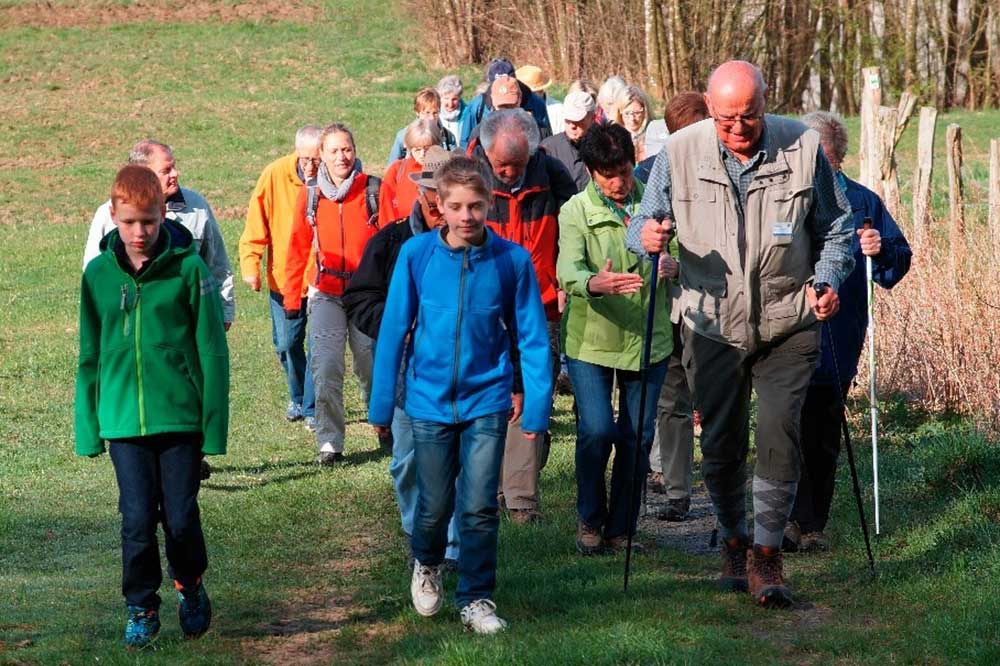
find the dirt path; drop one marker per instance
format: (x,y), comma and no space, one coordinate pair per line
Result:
(691,536)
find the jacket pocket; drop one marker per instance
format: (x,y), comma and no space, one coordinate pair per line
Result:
(787,213)
(705,306)
(700,205)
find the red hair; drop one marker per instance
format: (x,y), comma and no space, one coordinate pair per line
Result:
(138,186)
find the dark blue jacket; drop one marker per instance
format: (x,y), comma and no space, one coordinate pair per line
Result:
(848,328)
(481,105)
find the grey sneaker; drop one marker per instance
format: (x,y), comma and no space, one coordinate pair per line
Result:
(310,423)
(425,589)
(481,617)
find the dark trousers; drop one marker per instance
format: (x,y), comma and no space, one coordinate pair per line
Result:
(458,469)
(597,433)
(158,481)
(821,434)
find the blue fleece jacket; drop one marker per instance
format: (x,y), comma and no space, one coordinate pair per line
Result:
(849,326)
(452,305)
(479,108)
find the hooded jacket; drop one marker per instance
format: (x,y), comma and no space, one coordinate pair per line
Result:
(153,353)
(482,105)
(448,312)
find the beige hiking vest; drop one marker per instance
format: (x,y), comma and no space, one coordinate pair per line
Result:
(767,300)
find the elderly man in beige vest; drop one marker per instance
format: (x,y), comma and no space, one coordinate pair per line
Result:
(765,241)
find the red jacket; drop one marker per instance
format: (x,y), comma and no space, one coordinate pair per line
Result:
(398,193)
(343,229)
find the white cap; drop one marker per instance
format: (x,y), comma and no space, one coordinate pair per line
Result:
(577,105)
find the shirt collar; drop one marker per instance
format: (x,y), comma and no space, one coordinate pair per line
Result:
(175,202)
(758,158)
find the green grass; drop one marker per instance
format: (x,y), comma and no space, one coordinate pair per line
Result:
(308,565)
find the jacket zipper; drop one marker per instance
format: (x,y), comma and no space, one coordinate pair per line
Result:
(138,359)
(458,334)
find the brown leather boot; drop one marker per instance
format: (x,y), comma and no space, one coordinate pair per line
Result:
(766,578)
(734,564)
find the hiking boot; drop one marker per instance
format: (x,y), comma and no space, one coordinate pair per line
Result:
(524,516)
(194,610)
(141,627)
(330,458)
(588,540)
(563,385)
(425,589)
(656,484)
(620,543)
(206,470)
(293,412)
(766,580)
(791,542)
(734,564)
(481,617)
(814,542)
(676,510)
(310,423)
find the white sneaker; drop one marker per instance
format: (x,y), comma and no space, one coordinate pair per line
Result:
(481,617)
(425,589)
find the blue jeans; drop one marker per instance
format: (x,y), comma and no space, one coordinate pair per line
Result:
(469,452)
(289,337)
(597,432)
(403,470)
(158,481)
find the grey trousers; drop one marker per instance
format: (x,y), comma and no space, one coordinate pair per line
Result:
(523,459)
(329,335)
(673,441)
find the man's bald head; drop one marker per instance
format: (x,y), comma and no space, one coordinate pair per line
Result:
(736,98)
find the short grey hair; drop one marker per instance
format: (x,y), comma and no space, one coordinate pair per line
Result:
(450,84)
(511,122)
(609,90)
(422,128)
(142,152)
(831,131)
(308,135)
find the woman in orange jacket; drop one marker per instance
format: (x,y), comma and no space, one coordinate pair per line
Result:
(333,223)
(399,193)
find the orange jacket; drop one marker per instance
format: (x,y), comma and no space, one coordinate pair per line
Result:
(343,232)
(398,193)
(269,222)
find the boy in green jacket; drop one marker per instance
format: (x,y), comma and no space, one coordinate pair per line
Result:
(153,380)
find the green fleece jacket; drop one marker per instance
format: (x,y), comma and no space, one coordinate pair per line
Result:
(606,330)
(153,352)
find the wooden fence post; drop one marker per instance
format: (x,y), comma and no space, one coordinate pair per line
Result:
(994,215)
(956,231)
(922,176)
(886,185)
(871,98)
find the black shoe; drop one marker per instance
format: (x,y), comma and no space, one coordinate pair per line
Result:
(206,470)
(330,458)
(676,510)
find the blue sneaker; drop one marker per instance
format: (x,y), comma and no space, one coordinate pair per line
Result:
(141,627)
(194,611)
(293,412)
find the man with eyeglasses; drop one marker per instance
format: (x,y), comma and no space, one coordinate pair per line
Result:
(268,227)
(765,237)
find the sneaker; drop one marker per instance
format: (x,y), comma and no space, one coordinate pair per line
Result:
(792,539)
(676,510)
(656,484)
(141,627)
(766,578)
(524,516)
(310,423)
(206,470)
(734,564)
(481,617)
(588,540)
(425,589)
(293,412)
(330,458)
(814,542)
(194,610)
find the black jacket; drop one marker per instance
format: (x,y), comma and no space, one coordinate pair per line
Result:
(560,147)
(364,298)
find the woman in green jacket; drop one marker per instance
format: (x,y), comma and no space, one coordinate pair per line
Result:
(602,335)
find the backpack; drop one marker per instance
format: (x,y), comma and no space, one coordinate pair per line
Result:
(312,204)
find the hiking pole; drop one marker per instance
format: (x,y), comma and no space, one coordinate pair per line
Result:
(647,344)
(847,441)
(871,374)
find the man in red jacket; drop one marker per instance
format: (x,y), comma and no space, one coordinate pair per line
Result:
(528,190)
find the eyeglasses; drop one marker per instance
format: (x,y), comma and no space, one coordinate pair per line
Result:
(746,119)
(633,114)
(419,150)
(308,161)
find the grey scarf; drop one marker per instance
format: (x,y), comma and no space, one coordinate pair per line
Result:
(331,191)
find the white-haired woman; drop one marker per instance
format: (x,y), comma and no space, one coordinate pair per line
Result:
(398,192)
(633,111)
(453,106)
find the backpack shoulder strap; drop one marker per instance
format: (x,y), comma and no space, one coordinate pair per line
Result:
(422,259)
(372,187)
(312,204)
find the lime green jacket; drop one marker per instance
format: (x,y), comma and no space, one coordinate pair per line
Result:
(606,330)
(153,352)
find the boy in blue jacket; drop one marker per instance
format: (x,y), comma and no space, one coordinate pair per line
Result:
(458,298)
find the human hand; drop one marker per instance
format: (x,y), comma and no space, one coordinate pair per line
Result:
(530,436)
(382,431)
(227,325)
(656,234)
(561,300)
(516,407)
(607,282)
(824,301)
(871,242)
(252,281)
(669,268)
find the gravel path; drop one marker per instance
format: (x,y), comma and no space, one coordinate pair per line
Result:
(691,536)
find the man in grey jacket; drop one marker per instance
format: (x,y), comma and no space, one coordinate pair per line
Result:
(765,238)
(184,206)
(578,115)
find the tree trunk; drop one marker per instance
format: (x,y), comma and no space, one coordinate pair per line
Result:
(956,235)
(963,53)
